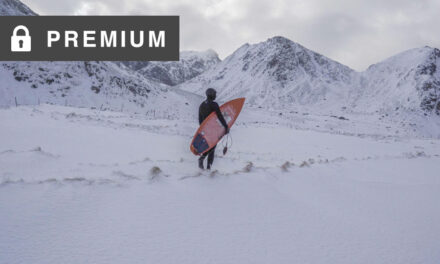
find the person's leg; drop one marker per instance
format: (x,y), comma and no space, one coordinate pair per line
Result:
(201,159)
(211,158)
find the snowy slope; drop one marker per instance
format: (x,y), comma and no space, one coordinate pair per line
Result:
(191,64)
(277,73)
(101,85)
(408,81)
(305,180)
(15,8)
(280,74)
(86,186)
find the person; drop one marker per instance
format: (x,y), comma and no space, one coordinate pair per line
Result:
(207,107)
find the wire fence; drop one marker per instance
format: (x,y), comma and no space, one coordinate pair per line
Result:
(150,113)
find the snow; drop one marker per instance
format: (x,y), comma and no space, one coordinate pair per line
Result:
(190,64)
(276,73)
(100,85)
(281,74)
(327,165)
(80,185)
(407,81)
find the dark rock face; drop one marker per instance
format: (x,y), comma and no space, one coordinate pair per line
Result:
(190,65)
(162,74)
(15,8)
(429,90)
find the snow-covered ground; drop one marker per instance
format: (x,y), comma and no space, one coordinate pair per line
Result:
(84,186)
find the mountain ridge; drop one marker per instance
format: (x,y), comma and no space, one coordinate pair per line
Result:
(284,74)
(101,85)
(288,68)
(277,73)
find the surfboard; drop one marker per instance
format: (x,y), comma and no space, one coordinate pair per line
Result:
(211,130)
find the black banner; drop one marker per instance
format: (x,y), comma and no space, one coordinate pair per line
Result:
(85,38)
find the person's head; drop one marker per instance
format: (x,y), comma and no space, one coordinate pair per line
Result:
(211,94)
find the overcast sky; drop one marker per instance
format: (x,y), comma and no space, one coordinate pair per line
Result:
(356,33)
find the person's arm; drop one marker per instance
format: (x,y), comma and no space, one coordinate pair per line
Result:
(220,116)
(200,116)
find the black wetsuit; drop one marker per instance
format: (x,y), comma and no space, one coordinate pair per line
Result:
(206,108)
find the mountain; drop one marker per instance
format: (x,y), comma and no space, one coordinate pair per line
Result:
(190,65)
(407,81)
(276,73)
(15,8)
(279,73)
(101,85)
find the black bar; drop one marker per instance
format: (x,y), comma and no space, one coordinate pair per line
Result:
(39,26)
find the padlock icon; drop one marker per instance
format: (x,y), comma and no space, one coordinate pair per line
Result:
(21,43)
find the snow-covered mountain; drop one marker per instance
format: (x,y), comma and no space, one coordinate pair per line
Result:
(191,64)
(407,81)
(15,8)
(280,73)
(277,73)
(102,85)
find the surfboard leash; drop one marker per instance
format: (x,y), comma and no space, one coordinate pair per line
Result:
(226,143)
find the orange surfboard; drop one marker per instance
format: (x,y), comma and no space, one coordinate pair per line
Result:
(211,130)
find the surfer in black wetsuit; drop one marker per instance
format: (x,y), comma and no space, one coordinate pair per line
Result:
(207,107)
